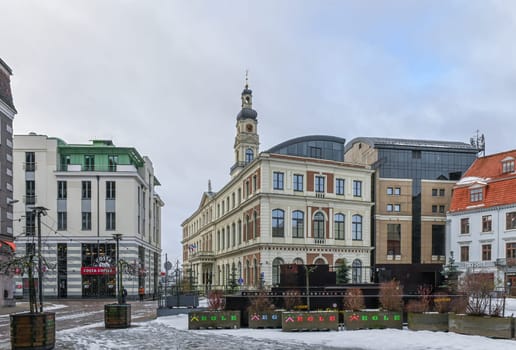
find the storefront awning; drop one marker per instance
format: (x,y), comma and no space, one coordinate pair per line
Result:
(12,245)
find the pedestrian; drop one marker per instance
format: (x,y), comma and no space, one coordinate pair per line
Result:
(141,293)
(124,295)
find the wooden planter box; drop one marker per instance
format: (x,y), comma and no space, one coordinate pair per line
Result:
(213,319)
(372,319)
(33,331)
(117,315)
(495,327)
(309,321)
(271,319)
(424,321)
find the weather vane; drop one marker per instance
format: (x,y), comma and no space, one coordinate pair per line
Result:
(246,78)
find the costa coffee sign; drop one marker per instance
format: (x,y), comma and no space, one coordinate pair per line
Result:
(97,270)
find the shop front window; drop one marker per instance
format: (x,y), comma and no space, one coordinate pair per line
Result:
(98,270)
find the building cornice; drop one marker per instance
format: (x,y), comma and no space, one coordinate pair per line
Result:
(7,110)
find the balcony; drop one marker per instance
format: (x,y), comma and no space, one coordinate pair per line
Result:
(319,241)
(476,264)
(503,262)
(98,168)
(203,256)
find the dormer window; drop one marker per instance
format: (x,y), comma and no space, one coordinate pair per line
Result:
(508,165)
(476,194)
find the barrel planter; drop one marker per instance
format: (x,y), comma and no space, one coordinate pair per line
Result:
(33,330)
(213,319)
(117,315)
(428,321)
(268,319)
(487,326)
(292,321)
(354,320)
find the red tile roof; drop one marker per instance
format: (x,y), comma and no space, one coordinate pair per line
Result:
(486,172)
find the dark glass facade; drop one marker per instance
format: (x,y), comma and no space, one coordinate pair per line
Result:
(423,164)
(320,147)
(420,163)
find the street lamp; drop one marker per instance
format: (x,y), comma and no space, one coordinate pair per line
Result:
(118,237)
(40,211)
(308,270)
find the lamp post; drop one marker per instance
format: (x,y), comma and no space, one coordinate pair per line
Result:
(308,270)
(40,211)
(118,237)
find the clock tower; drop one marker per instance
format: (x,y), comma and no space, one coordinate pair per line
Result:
(246,140)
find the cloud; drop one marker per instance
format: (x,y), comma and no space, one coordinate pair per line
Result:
(166,76)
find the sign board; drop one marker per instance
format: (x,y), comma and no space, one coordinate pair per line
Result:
(168,265)
(240,281)
(96,270)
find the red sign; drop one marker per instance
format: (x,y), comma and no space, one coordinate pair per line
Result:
(95,270)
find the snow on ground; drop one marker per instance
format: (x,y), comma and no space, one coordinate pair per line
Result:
(172,333)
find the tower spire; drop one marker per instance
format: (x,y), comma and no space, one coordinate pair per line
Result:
(247,78)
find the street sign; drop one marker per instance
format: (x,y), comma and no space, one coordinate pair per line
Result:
(168,265)
(240,281)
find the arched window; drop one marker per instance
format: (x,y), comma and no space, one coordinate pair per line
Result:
(228,236)
(298,261)
(298,224)
(339,226)
(247,232)
(239,227)
(233,234)
(278,223)
(356,228)
(249,155)
(255,268)
(276,270)
(255,224)
(356,271)
(338,263)
(319,261)
(247,272)
(223,235)
(318,226)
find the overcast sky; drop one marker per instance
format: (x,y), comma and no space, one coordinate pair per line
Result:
(165,77)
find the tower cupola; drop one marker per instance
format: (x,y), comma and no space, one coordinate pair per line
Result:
(246,140)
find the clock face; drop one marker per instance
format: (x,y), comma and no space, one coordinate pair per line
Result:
(249,128)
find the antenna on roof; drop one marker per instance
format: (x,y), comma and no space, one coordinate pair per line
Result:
(479,143)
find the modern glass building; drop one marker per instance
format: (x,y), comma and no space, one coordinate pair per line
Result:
(413,182)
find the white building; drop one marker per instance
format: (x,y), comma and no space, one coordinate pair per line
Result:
(298,202)
(482,219)
(91,191)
